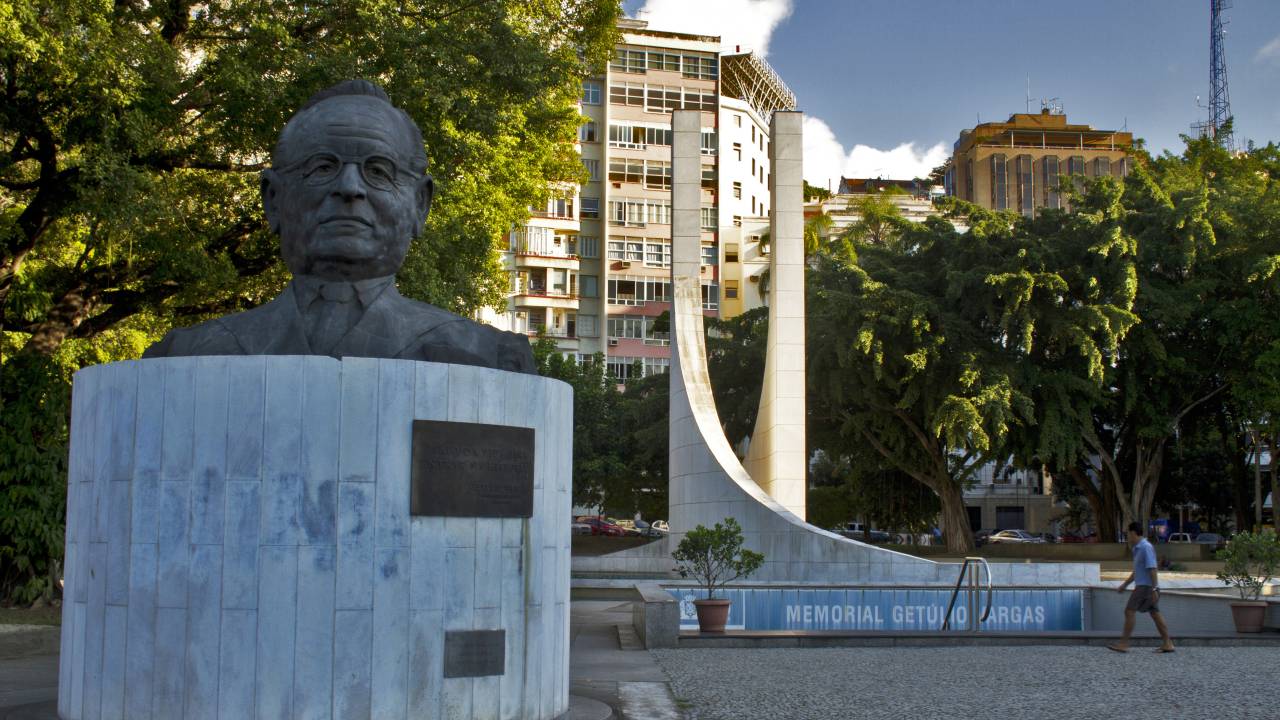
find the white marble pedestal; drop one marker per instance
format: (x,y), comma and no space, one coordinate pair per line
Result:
(239,544)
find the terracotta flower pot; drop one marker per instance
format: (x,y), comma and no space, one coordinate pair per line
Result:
(1247,614)
(712,615)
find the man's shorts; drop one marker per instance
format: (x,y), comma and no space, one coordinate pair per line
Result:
(1143,599)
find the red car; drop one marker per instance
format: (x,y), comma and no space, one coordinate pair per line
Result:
(599,526)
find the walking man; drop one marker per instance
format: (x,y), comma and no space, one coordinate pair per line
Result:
(1146,592)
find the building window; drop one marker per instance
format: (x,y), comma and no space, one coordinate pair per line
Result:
(708,142)
(710,296)
(753,167)
(637,212)
(731,252)
(968,181)
(588,246)
(737,189)
(587,326)
(708,217)
(657,254)
(625,93)
(737,119)
(638,137)
(737,151)
(1123,167)
(633,290)
(587,132)
(1049,181)
(730,289)
(1026,186)
(590,92)
(1102,167)
(753,204)
(589,207)
(657,174)
(999,182)
(709,255)
(626,327)
(699,66)
(664,61)
(1075,165)
(737,221)
(593,168)
(709,177)
(628,61)
(753,133)
(560,208)
(588,286)
(655,365)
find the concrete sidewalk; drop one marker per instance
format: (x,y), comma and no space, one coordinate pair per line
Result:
(626,680)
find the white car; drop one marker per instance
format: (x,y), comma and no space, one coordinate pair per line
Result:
(1014,536)
(1180,538)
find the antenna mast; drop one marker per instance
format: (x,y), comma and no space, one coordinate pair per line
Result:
(1219,99)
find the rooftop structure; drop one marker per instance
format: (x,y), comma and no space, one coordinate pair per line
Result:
(749,77)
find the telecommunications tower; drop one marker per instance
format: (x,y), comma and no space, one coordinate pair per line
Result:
(1219,99)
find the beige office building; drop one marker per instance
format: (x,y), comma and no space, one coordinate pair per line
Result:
(592,269)
(1016,165)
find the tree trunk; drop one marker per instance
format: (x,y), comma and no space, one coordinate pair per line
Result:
(1101,502)
(1107,530)
(1275,483)
(955,519)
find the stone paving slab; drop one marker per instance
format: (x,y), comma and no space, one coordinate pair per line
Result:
(976,683)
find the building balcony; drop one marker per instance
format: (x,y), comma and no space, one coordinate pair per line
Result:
(531,298)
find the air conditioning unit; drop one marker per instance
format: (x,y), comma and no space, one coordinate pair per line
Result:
(613,342)
(624,264)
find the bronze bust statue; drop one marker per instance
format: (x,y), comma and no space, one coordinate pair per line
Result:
(347,192)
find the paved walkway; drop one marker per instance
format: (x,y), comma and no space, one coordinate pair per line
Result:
(976,683)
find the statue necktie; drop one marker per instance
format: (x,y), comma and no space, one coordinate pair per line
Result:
(331,315)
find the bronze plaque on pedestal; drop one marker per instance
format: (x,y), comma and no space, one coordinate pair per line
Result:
(471,470)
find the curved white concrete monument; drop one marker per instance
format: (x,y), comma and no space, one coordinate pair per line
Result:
(240,545)
(707,481)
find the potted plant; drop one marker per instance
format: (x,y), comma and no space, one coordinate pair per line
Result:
(715,557)
(1250,560)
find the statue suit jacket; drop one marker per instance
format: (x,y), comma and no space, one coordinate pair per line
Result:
(392,326)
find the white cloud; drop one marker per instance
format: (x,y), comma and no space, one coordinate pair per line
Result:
(1269,52)
(826,160)
(745,23)
(750,24)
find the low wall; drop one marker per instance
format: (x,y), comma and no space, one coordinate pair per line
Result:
(1184,611)
(655,614)
(1067,552)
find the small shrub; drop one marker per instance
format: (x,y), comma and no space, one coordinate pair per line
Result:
(715,556)
(1251,559)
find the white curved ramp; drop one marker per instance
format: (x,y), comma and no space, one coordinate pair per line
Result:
(707,482)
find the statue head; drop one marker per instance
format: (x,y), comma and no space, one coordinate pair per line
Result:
(348,188)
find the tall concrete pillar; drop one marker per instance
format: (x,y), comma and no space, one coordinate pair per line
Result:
(776,458)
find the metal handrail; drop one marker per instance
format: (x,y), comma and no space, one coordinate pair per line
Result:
(973,595)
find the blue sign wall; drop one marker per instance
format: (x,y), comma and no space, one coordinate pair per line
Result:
(885,609)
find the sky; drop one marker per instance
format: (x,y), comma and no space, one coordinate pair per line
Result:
(887,86)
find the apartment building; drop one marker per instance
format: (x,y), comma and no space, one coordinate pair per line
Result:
(592,269)
(1016,165)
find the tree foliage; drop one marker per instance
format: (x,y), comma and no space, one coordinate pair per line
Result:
(134,133)
(925,340)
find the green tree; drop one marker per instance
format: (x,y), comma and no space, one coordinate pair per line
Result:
(925,341)
(134,133)
(1206,293)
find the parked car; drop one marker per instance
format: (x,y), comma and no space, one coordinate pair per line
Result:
(1014,536)
(857,531)
(1179,537)
(600,526)
(580,528)
(982,537)
(1213,540)
(660,526)
(628,525)
(1049,537)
